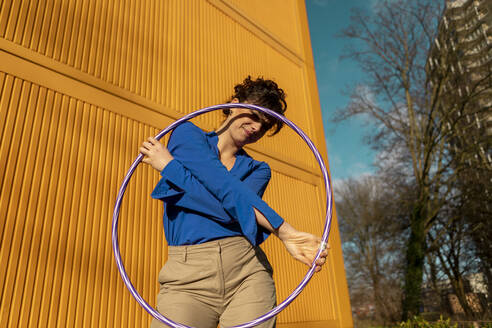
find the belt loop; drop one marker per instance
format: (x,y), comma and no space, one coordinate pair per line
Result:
(185,251)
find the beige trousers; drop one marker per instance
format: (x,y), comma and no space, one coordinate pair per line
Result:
(226,281)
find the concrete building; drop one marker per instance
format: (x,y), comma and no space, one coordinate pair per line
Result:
(460,67)
(441,297)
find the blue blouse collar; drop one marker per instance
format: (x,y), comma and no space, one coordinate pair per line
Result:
(243,161)
(213,140)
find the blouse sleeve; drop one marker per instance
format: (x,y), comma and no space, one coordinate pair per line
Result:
(258,180)
(179,188)
(191,151)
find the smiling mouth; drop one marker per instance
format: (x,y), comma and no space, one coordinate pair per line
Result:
(248,133)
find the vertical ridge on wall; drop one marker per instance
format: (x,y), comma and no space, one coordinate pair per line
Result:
(13,159)
(65,253)
(50,185)
(28,203)
(7,185)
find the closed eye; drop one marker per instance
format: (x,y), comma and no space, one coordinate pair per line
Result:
(255,117)
(265,123)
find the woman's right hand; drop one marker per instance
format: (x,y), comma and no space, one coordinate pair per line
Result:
(156,154)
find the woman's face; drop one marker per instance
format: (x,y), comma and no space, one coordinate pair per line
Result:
(247,126)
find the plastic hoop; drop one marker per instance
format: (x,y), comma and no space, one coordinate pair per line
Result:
(309,274)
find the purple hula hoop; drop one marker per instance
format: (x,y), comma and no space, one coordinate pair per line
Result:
(309,274)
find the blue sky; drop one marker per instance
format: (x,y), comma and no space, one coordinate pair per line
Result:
(348,154)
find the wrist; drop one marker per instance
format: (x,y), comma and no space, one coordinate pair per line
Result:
(285,231)
(163,163)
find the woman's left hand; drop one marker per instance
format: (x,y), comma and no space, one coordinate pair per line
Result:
(302,246)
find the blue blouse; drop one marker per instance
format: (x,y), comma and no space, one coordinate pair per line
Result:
(203,200)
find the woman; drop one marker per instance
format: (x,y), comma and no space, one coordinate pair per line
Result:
(214,217)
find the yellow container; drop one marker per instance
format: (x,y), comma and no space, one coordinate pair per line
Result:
(82,83)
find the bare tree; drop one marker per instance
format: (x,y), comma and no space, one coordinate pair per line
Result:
(371,244)
(392,46)
(474,209)
(449,243)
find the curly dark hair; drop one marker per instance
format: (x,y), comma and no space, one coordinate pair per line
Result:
(261,92)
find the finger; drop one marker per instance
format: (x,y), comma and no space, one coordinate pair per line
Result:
(143,150)
(313,263)
(152,140)
(305,260)
(146,160)
(318,269)
(323,246)
(147,144)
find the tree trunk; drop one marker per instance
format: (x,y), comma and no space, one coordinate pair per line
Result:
(488,280)
(380,315)
(459,289)
(414,264)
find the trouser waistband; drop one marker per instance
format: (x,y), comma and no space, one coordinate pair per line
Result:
(209,246)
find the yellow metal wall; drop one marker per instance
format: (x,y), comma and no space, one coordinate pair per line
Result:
(82,83)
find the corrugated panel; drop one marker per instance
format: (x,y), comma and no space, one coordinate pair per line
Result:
(62,162)
(63,153)
(57,195)
(167,52)
(278,17)
(316,303)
